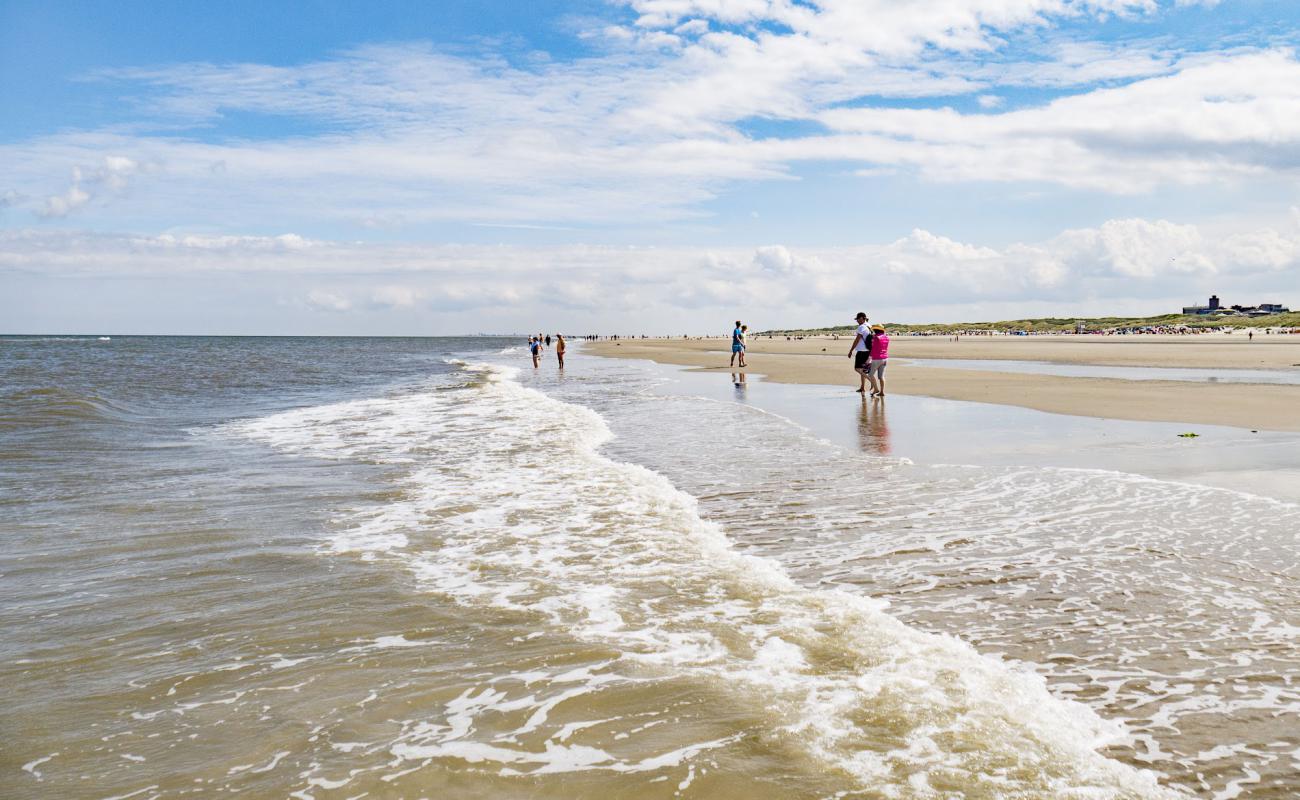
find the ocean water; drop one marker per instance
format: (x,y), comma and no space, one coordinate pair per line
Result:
(341,568)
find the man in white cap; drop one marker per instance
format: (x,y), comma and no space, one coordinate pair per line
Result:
(860,350)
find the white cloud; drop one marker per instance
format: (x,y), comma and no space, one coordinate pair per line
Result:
(112,173)
(1137,248)
(646,132)
(1232,119)
(60,205)
(774,258)
(1091,270)
(323,300)
(395,296)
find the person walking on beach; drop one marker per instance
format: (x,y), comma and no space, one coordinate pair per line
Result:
(744,343)
(548,340)
(860,351)
(879,359)
(559,349)
(534,349)
(737,345)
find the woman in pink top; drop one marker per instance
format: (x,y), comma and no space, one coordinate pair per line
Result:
(879,358)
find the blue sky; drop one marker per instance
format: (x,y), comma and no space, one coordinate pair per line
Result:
(414,168)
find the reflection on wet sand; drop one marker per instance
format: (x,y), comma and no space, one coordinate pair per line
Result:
(873,430)
(738,380)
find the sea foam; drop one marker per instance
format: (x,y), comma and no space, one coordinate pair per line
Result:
(507,503)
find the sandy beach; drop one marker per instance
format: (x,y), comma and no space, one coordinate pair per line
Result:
(821,360)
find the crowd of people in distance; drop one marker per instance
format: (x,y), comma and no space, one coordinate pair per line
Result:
(536,343)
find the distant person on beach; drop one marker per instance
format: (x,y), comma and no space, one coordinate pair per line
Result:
(879,359)
(737,345)
(534,349)
(548,340)
(744,342)
(860,350)
(1250,336)
(559,348)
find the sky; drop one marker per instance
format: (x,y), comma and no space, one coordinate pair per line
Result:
(640,166)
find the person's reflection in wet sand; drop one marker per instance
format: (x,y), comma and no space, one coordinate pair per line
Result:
(738,380)
(873,431)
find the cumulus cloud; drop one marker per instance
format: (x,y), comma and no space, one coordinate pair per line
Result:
(774,258)
(60,205)
(1138,248)
(1119,261)
(112,173)
(395,296)
(1239,117)
(323,300)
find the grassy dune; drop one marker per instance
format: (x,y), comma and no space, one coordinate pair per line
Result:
(1066,325)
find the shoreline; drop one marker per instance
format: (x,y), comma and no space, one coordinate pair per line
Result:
(1264,407)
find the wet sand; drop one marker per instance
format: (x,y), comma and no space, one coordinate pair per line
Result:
(822,360)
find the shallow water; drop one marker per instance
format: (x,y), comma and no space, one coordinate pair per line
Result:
(329,568)
(1197,375)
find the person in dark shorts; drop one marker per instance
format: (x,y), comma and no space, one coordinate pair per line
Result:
(860,350)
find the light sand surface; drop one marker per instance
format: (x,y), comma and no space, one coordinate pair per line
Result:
(1254,406)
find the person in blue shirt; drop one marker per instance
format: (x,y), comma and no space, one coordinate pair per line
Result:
(737,346)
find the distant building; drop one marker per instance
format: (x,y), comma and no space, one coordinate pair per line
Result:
(1210,309)
(1261,310)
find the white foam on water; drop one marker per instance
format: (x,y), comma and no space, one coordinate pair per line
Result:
(31,766)
(388,643)
(1099,580)
(507,503)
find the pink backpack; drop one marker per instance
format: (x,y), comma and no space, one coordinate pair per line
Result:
(879,347)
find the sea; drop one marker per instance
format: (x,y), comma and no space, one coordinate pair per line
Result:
(421,568)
